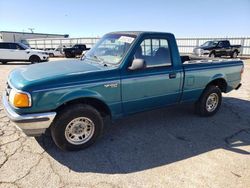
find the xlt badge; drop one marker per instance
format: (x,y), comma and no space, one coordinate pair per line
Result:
(112,85)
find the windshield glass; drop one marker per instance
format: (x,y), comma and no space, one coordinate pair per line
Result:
(210,43)
(23,46)
(111,48)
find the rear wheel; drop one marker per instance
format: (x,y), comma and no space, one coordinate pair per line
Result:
(234,54)
(35,59)
(209,102)
(77,127)
(51,55)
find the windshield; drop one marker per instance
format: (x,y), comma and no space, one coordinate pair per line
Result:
(23,46)
(111,48)
(210,43)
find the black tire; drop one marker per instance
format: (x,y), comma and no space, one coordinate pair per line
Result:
(68,54)
(4,62)
(51,55)
(201,105)
(34,59)
(64,119)
(234,54)
(212,55)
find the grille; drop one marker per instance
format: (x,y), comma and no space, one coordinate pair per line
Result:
(8,88)
(198,51)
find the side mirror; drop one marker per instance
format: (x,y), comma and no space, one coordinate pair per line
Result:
(137,64)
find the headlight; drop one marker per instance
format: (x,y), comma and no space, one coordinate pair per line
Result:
(19,99)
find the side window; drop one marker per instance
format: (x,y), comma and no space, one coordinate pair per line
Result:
(226,44)
(13,46)
(222,44)
(83,47)
(19,47)
(155,52)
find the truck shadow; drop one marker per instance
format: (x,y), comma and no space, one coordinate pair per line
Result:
(152,139)
(16,63)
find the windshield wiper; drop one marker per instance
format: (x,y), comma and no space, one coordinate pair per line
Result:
(100,60)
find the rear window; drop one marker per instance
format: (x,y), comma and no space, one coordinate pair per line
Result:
(4,46)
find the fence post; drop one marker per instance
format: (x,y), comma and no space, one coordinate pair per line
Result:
(197,42)
(242,42)
(44,45)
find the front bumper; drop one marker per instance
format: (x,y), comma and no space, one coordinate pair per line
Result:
(44,58)
(30,124)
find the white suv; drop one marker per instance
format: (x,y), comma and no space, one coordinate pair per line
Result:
(10,51)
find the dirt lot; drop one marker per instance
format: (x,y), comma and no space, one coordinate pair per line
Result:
(163,148)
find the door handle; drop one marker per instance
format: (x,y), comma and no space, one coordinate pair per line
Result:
(172,75)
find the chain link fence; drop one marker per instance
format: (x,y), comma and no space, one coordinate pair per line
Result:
(186,45)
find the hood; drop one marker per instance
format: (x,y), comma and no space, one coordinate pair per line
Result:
(205,47)
(58,72)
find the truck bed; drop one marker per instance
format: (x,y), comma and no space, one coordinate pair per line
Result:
(210,61)
(198,73)
(194,60)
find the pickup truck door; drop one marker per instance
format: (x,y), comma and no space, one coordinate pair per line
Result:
(224,48)
(159,84)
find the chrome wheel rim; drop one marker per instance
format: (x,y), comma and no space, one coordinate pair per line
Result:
(212,102)
(234,55)
(79,130)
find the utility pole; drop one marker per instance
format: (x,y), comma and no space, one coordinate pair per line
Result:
(31,30)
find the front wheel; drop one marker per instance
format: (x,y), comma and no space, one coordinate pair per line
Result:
(212,55)
(35,59)
(77,127)
(4,62)
(68,55)
(209,102)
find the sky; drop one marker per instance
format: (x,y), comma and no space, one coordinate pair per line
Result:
(89,18)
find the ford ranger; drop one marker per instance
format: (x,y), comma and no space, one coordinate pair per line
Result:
(124,73)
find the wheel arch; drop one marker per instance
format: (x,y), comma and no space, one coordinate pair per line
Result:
(95,102)
(212,52)
(34,55)
(219,82)
(236,50)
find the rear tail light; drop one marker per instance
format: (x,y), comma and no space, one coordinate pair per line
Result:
(241,71)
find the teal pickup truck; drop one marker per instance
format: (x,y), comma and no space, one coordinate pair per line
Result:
(124,73)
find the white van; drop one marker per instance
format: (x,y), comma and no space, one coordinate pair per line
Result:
(10,51)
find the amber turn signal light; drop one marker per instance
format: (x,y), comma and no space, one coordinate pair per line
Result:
(21,100)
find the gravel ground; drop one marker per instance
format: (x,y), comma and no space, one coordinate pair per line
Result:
(162,148)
